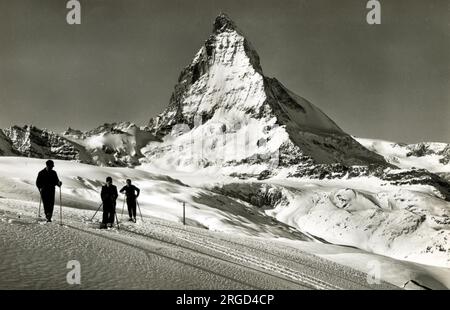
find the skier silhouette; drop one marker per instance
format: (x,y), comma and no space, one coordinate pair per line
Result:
(46,181)
(130,192)
(109,195)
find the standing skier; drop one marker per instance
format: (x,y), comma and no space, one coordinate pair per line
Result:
(46,181)
(109,195)
(131,192)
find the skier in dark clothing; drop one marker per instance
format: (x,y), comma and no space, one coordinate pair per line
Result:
(109,195)
(46,181)
(131,192)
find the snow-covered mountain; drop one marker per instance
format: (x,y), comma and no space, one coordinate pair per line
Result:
(226,115)
(287,157)
(432,156)
(116,145)
(31,141)
(225,111)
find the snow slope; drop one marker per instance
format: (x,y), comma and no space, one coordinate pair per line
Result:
(161,196)
(408,222)
(248,250)
(157,255)
(399,223)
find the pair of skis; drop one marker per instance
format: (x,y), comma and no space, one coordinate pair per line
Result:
(60,206)
(139,207)
(115,213)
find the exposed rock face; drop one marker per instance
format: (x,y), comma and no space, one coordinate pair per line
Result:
(30,141)
(6,146)
(428,148)
(117,145)
(225,87)
(391,176)
(445,160)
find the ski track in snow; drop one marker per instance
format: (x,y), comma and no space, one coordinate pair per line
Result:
(156,254)
(245,257)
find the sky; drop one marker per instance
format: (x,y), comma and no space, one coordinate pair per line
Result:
(388,81)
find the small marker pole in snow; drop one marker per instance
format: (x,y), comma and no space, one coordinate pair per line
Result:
(60,207)
(40,201)
(184,213)
(139,207)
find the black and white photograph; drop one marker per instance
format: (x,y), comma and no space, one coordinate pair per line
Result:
(224,145)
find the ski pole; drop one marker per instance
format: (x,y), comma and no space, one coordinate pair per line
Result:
(60,207)
(96,211)
(139,207)
(40,201)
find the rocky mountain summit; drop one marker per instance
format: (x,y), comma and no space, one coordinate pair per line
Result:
(225,90)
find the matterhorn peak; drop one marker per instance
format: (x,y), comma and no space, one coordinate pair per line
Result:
(228,39)
(223,23)
(225,87)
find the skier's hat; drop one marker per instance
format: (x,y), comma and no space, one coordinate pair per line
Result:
(50,163)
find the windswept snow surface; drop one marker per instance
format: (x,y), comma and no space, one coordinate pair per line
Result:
(161,196)
(226,244)
(156,255)
(408,222)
